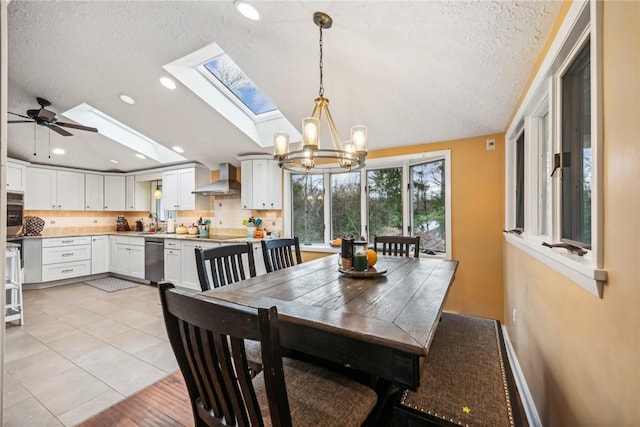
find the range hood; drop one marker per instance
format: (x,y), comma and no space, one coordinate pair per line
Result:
(227,183)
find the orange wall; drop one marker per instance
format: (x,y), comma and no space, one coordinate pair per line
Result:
(477,218)
(581,354)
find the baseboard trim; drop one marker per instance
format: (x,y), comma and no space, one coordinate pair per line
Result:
(521,383)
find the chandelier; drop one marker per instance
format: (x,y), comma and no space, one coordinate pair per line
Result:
(348,155)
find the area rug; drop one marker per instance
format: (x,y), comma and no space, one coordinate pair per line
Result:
(111,284)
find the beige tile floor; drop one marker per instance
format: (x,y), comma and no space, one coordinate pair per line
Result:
(80,351)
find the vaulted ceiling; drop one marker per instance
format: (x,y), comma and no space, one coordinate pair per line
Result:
(412,71)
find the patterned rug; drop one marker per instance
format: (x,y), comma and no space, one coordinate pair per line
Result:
(111,284)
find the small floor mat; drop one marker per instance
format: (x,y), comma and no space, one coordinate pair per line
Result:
(111,284)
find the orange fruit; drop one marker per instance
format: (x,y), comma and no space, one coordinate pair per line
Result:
(372,257)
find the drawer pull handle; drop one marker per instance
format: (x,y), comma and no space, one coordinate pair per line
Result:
(68,254)
(67,241)
(68,270)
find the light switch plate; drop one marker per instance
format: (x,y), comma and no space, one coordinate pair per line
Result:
(491,144)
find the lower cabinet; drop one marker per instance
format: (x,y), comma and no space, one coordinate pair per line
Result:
(100,254)
(189,270)
(173,261)
(65,258)
(130,256)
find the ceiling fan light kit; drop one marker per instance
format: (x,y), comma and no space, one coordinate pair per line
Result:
(349,155)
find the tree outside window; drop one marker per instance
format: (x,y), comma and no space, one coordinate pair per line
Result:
(428,205)
(345,205)
(307,193)
(385,202)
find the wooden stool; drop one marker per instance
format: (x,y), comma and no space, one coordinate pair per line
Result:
(466,379)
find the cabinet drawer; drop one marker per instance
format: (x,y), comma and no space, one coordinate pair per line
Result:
(130,240)
(65,270)
(66,241)
(66,254)
(172,244)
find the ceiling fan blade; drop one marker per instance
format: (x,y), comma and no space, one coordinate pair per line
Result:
(20,121)
(59,130)
(74,126)
(19,115)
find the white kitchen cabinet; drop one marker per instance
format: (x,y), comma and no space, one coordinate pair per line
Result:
(114,193)
(130,256)
(138,195)
(99,254)
(93,192)
(65,258)
(16,176)
(177,186)
(189,271)
(49,189)
(258,259)
(113,253)
(261,184)
(246,181)
(70,190)
(173,261)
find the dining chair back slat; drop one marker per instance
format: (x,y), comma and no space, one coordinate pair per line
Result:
(281,253)
(398,245)
(208,339)
(225,265)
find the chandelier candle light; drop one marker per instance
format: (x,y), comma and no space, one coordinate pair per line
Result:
(349,155)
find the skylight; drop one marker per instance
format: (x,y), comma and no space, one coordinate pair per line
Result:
(236,81)
(241,103)
(121,133)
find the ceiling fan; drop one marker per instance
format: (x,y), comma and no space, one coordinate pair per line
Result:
(48,118)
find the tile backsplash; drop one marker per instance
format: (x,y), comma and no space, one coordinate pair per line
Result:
(225,214)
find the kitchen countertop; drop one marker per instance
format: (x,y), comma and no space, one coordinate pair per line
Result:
(160,235)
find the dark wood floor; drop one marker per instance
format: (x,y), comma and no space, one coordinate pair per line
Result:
(165,403)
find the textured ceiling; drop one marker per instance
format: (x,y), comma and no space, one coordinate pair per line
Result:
(412,71)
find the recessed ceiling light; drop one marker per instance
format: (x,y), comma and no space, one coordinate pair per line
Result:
(140,156)
(168,83)
(114,161)
(177,149)
(247,10)
(127,99)
(58,151)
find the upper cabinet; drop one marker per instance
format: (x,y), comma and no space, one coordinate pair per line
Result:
(93,192)
(114,193)
(138,194)
(50,189)
(261,184)
(16,176)
(177,186)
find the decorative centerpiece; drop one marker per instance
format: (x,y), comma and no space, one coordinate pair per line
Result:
(251,224)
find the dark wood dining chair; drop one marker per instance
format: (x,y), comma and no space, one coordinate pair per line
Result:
(223,265)
(398,245)
(281,253)
(208,338)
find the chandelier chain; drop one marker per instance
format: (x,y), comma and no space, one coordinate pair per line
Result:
(321,91)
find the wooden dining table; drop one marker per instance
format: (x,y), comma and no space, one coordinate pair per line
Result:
(382,325)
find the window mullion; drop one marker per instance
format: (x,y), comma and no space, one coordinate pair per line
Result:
(364,206)
(326,186)
(406,199)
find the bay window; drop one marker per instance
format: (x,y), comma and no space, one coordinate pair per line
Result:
(404,195)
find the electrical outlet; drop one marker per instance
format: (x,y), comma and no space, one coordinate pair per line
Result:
(514,317)
(491,144)
(53,222)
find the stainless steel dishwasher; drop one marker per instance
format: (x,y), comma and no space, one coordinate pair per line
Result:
(154,259)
